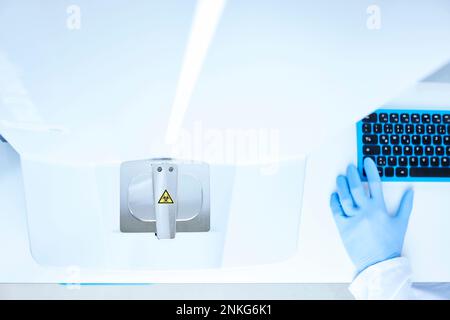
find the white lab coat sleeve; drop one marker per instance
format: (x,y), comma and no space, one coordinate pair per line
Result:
(390,279)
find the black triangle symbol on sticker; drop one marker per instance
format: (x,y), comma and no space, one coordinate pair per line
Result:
(165,198)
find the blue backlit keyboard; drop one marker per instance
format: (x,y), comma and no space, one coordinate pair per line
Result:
(406,145)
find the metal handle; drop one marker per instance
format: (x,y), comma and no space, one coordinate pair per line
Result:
(165,185)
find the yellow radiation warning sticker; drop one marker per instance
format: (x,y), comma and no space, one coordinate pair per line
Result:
(165,198)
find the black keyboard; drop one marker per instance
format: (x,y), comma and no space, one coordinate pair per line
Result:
(406,144)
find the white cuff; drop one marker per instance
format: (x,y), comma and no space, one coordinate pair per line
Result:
(390,279)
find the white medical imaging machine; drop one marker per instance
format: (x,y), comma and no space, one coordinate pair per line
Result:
(125,123)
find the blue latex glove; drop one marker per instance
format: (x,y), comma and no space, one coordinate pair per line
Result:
(370,233)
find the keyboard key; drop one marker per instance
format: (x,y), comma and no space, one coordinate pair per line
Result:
(401,172)
(429,172)
(409,128)
(392,161)
(377,128)
(371,157)
(371,150)
(418,150)
(384,139)
(395,139)
(407,150)
(367,128)
(446,118)
(431,129)
(406,139)
(434,161)
(397,150)
(413,161)
(386,150)
(445,162)
(439,150)
(388,128)
(380,171)
(370,139)
(424,161)
(404,118)
(426,118)
(384,117)
(415,118)
(381,161)
(441,129)
(437,140)
(416,140)
(398,128)
(402,161)
(429,150)
(420,129)
(426,140)
(389,172)
(371,118)
(447,140)
(393,117)
(436,118)
(447,150)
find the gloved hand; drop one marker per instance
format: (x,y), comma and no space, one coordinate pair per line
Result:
(370,234)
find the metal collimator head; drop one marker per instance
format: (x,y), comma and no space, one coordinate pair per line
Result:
(164,196)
